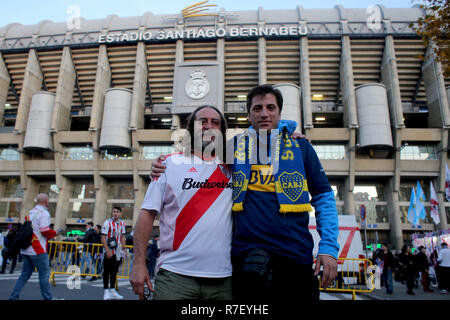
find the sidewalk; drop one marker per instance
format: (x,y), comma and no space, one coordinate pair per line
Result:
(400,294)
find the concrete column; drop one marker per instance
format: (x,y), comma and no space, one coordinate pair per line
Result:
(4,87)
(389,77)
(139,195)
(437,100)
(64,93)
(347,85)
(102,83)
(305,83)
(101,195)
(443,224)
(262,60)
(179,51)
(448,95)
(179,58)
(29,194)
(140,81)
(349,184)
(138,187)
(220,56)
(32,82)
(349,199)
(291,103)
(394,214)
(440,188)
(63,206)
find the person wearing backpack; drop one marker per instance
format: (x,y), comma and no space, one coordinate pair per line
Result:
(36,255)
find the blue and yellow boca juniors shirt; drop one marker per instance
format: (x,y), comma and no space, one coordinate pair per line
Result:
(260,224)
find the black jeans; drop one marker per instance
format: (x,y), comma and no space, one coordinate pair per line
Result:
(110,270)
(7,256)
(288,280)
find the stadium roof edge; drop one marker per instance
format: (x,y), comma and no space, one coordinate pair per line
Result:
(149,20)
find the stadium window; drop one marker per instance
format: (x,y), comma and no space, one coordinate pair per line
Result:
(154,151)
(82,202)
(53,191)
(330,151)
(117,154)
(121,194)
(9,154)
(78,153)
(11,198)
(418,152)
(372,197)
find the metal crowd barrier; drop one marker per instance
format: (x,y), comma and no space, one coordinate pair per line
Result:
(82,259)
(354,275)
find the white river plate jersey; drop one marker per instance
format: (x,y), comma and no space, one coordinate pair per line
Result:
(193,198)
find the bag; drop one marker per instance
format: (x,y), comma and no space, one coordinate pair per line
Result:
(23,238)
(112,243)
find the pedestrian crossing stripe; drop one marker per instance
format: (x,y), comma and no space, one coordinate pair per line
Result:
(61,279)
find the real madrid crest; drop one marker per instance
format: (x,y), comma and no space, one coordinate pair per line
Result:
(197,87)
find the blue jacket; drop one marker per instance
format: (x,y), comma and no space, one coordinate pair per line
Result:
(260,225)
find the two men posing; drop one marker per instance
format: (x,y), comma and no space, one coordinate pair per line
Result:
(265,243)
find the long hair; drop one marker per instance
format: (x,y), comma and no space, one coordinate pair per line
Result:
(190,128)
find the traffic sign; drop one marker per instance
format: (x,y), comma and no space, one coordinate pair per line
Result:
(362,211)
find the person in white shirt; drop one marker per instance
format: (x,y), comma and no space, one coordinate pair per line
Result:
(36,255)
(193,199)
(444,268)
(113,240)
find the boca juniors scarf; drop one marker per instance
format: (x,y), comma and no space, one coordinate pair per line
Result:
(289,172)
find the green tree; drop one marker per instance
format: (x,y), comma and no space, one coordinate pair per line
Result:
(434,27)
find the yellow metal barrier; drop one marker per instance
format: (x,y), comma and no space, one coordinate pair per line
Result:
(354,275)
(83,259)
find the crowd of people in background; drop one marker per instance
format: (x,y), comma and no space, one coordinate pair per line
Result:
(86,252)
(431,270)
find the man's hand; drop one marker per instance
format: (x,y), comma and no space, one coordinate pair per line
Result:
(109,254)
(157,167)
(297,135)
(58,232)
(329,269)
(138,278)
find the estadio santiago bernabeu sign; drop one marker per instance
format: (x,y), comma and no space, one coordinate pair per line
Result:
(203,33)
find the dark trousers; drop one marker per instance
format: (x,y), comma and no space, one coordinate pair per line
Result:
(110,270)
(289,281)
(7,256)
(444,278)
(409,278)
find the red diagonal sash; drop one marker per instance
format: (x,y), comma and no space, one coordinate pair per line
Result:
(196,207)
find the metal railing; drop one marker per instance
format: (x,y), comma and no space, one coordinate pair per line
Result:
(354,275)
(82,259)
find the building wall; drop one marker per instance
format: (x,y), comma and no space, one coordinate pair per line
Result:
(86,182)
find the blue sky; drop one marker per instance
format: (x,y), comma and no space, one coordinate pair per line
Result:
(33,11)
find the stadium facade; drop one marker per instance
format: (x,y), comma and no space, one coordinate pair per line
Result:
(85,106)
